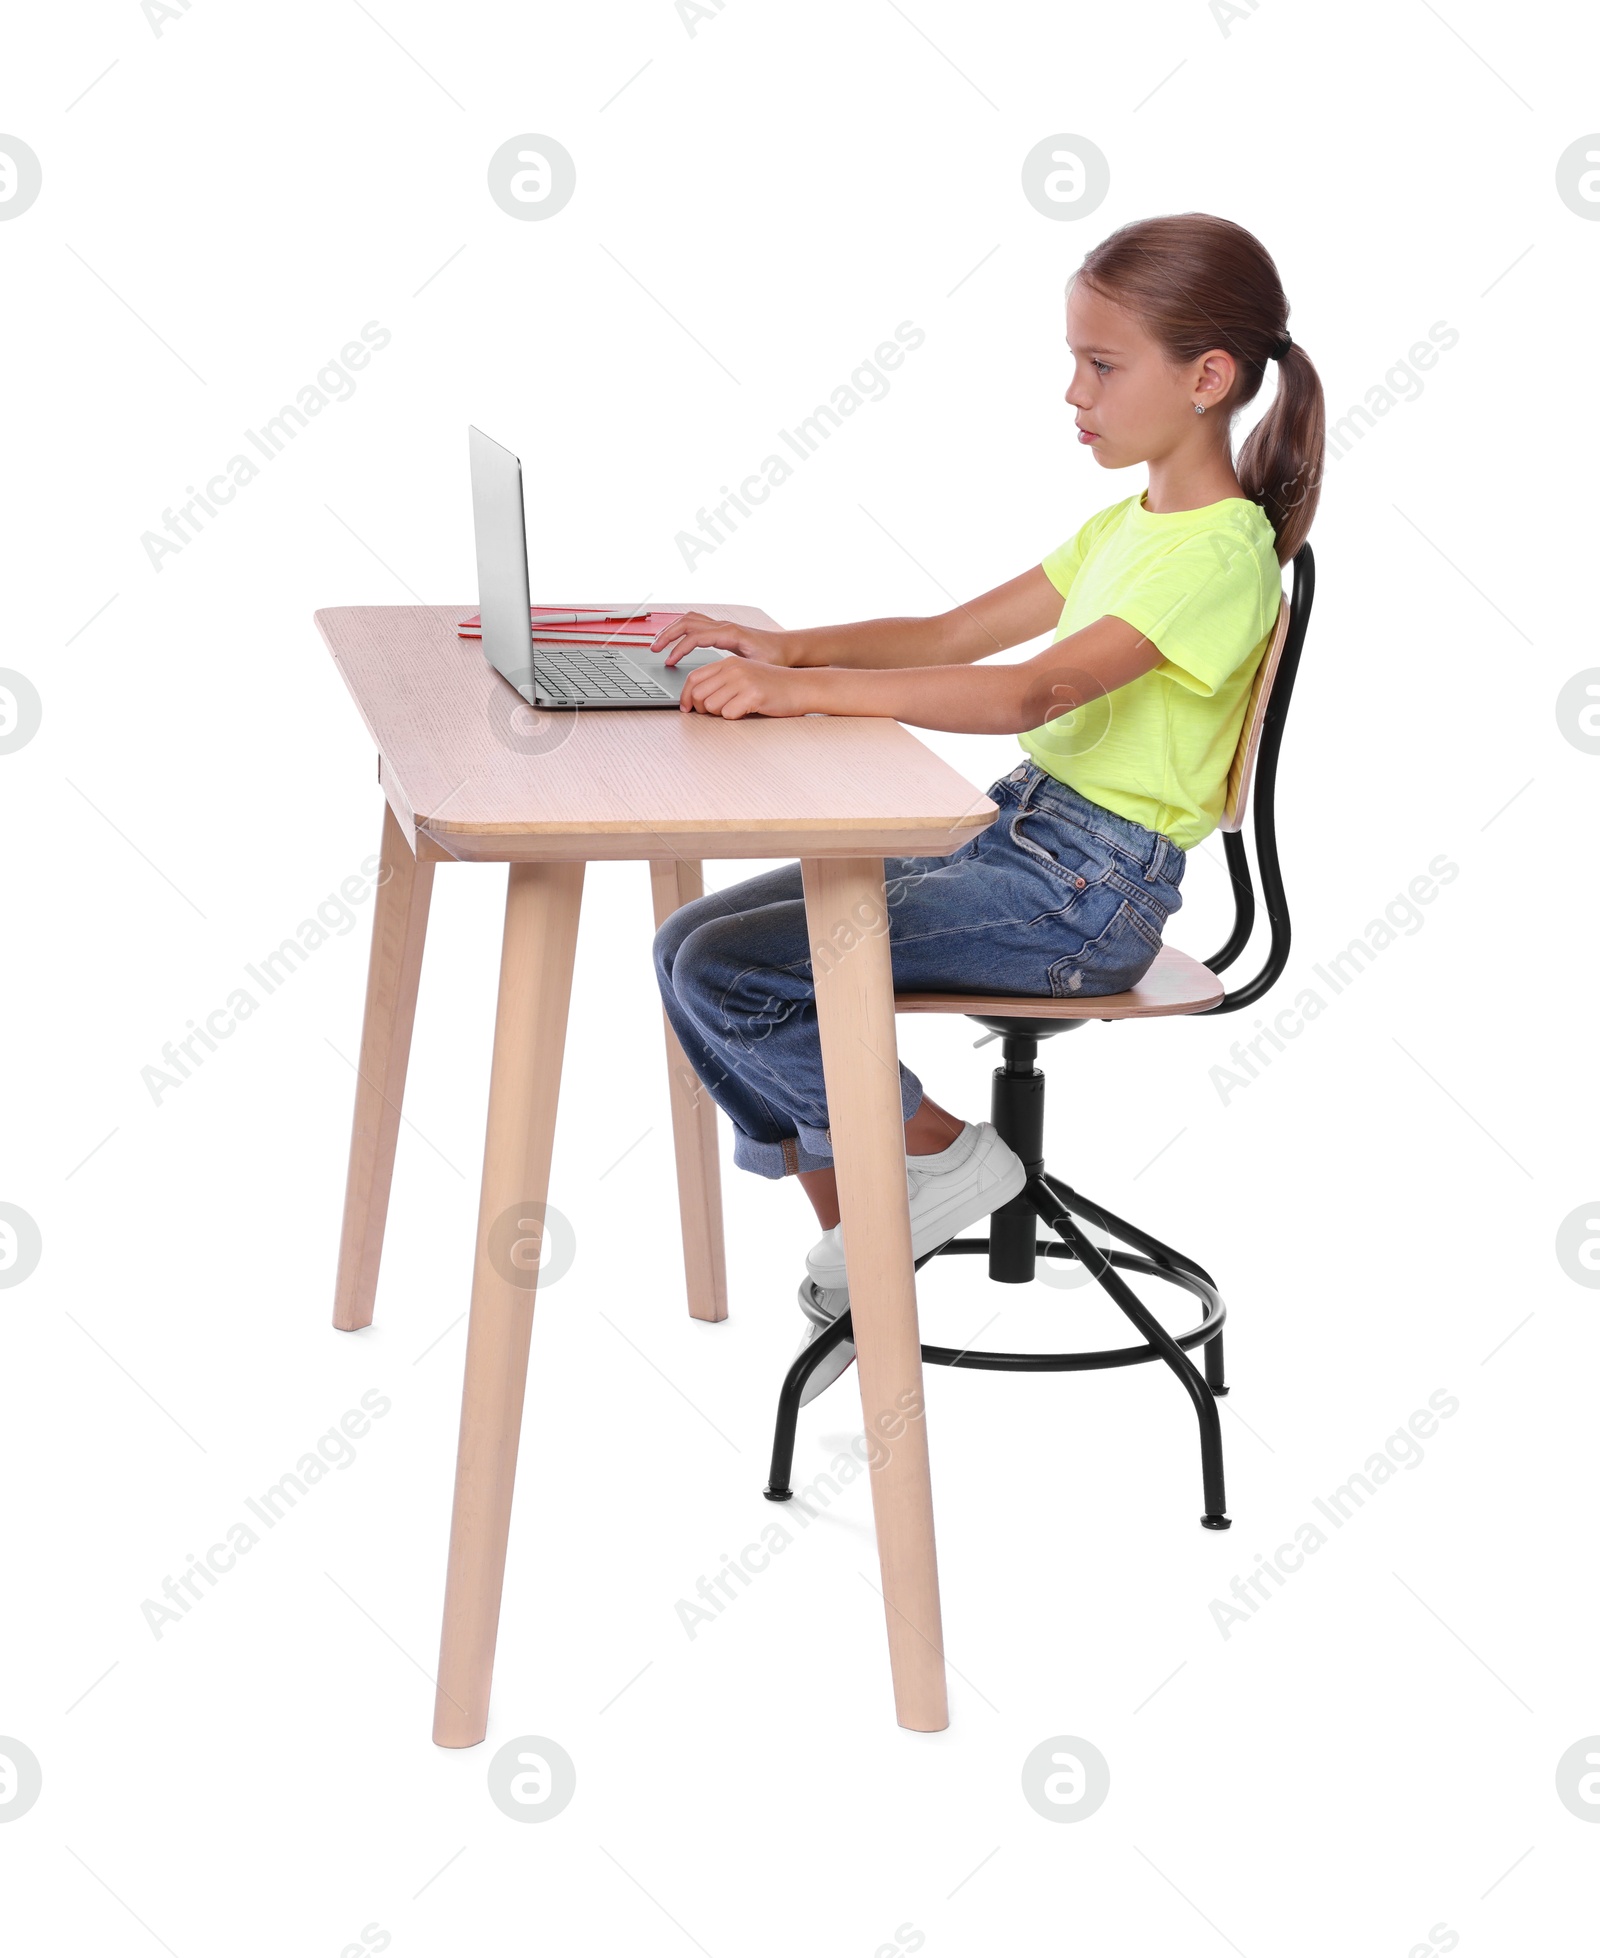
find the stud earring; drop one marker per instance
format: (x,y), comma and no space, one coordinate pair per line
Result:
(1199,407)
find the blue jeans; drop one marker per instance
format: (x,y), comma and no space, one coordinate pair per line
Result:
(1057,897)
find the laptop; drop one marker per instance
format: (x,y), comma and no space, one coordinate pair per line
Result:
(550,674)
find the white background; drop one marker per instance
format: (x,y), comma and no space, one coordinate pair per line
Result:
(759,203)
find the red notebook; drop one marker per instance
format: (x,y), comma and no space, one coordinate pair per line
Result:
(590,631)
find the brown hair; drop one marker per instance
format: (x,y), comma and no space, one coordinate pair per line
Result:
(1198,282)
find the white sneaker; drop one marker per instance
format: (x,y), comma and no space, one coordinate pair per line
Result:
(822,1308)
(974,1176)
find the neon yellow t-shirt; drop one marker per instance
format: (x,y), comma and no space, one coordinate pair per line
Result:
(1203,587)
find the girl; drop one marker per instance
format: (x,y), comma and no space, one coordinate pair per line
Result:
(1161,605)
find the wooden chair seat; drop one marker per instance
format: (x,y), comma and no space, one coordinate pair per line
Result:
(1176,983)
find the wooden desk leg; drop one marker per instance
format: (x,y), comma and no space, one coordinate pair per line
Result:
(694,1128)
(530,1030)
(847,924)
(394,968)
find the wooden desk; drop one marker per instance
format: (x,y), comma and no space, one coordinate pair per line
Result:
(471,774)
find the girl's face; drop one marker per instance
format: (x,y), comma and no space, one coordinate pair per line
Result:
(1132,405)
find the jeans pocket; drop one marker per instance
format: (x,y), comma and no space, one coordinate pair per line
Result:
(1114,962)
(1069,853)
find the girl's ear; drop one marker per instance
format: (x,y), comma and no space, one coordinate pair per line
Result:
(1214,375)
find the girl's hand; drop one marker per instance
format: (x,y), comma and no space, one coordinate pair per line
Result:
(749,642)
(733,688)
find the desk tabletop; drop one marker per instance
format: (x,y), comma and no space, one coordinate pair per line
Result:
(473,773)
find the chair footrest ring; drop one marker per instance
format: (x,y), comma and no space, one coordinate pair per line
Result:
(1092,1361)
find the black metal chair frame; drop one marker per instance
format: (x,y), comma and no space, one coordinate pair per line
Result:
(1017,1111)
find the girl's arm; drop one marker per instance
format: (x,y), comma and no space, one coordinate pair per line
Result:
(997,699)
(1013,612)
(1007,616)
(958,698)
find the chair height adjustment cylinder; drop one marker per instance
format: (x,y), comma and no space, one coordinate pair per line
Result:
(1016,1107)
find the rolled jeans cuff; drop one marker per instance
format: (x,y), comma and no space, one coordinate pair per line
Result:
(810,1148)
(786,1158)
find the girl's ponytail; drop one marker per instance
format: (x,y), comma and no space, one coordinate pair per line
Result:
(1199,282)
(1280,465)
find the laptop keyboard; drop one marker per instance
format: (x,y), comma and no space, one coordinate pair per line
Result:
(566,673)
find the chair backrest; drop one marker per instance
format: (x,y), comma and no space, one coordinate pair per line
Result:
(1257,757)
(1255,719)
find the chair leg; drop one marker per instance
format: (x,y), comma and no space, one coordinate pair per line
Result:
(1055,1214)
(1153,1248)
(778,1489)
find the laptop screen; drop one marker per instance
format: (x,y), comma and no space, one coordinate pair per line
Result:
(502,547)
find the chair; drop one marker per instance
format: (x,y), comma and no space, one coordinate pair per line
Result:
(1175,983)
